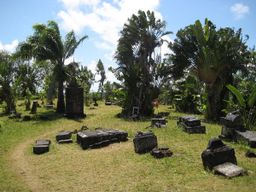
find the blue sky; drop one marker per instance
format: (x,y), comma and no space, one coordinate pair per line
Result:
(102,20)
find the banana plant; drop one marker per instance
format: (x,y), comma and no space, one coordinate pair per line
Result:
(246,105)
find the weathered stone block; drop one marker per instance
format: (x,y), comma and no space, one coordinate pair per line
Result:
(40,149)
(191,124)
(75,102)
(229,170)
(100,137)
(217,153)
(144,142)
(34,107)
(233,120)
(158,122)
(63,135)
(247,136)
(161,152)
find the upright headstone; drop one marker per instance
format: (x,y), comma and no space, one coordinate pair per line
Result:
(74,102)
(34,107)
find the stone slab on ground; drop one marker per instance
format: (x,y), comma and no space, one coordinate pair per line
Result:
(247,136)
(229,170)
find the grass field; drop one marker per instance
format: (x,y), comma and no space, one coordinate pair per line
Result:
(114,168)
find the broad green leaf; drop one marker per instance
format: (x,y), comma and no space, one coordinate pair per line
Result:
(252,97)
(237,94)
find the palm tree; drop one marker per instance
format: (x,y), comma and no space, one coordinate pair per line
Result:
(136,59)
(213,56)
(46,44)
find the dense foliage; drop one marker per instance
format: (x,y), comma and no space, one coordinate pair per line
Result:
(137,60)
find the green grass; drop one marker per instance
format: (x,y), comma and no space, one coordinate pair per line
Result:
(113,168)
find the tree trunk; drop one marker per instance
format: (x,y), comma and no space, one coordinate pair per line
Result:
(61,102)
(214,101)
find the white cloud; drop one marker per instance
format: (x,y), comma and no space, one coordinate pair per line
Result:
(104,18)
(11,47)
(239,10)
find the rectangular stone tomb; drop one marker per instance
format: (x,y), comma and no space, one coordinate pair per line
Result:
(144,142)
(191,124)
(248,137)
(158,122)
(233,120)
(229,170)
(64,137)
(100,138)
(108,103)
(217,153)
(41,146)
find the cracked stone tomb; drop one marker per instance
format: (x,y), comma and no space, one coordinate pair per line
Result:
(233,130)
(221,159)
(100,137)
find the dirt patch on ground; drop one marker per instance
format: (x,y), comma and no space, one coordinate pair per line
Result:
(21,164)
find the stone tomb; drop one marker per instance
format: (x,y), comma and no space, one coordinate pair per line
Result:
(158,122)
(191,124)
(217,153)
(231,123)
(64,137)
(75,102)
(221,159)
(233,130)
(41,146)
(100,137)
(144,142)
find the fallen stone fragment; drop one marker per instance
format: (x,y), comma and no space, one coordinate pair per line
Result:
(250,154)
(62,141)
(63,135)
(229,170)
(40,149)
(161,152)
(247,136)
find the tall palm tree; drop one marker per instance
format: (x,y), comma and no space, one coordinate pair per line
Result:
(46,44)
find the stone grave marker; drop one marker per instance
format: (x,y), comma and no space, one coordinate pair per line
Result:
(75,102)
(144,142)
(34,107)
